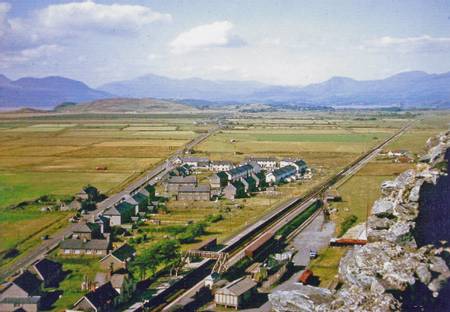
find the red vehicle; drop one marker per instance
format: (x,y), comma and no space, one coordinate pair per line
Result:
(305,277)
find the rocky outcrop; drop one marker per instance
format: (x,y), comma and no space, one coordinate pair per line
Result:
(390,261)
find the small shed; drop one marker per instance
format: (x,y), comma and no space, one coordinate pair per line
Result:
(236,294)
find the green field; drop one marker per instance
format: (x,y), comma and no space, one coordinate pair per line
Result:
(58,155)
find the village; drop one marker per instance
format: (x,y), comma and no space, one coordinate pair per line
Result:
(110,237)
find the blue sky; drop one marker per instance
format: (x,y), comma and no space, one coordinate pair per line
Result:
(277,42)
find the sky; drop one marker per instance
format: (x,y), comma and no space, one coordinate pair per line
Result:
(275,42)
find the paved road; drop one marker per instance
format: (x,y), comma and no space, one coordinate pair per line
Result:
(151,177)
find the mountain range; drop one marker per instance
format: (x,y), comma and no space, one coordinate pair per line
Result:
(408,89)
(44,93)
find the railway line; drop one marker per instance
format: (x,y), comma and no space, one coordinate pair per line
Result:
(272,222)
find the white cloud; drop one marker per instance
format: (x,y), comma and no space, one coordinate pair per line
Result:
(222,68)
(44,31)
(217,34)
(114,18)
(423,43)
(26,55)
(4,24)
(62,21)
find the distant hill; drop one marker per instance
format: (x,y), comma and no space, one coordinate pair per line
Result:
(193,88)
(126,105)
(44,93)
(409,89)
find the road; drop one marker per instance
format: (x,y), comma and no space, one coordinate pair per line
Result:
(150,177)
(309,199)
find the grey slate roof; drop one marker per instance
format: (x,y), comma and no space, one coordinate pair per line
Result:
(83,228)
(182,180)
(21,300)
(241,169)
(47,268)
(194,189)
(284,170)
(112,212)
(239,286)
(97,244)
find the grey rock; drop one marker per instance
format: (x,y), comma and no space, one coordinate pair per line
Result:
(379,223)
(423,273)
(414,193)
(400,232)
(383,207)
(307,299)
(436,284)
(438,265)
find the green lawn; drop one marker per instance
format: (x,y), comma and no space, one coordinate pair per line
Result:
(77,269)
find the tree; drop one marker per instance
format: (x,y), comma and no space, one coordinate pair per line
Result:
(166,252)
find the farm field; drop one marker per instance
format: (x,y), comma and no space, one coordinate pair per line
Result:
(58,155)
(326,149)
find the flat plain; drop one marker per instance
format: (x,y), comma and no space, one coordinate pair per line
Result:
(58,155)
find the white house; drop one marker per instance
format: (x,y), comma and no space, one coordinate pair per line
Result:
(266,163)
(221,165)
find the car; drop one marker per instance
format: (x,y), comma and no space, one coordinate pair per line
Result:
(312,254)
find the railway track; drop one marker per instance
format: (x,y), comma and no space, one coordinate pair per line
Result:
(274,221)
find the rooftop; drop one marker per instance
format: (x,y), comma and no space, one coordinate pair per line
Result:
(284,170)
(102,295)
(123,252)
(241,169)
(47,268)
(27,281)
(21,300)
(97,244)
(240,286)
(194,189)
(182,180)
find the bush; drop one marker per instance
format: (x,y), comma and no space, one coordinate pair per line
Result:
(214,218)
(347,224)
